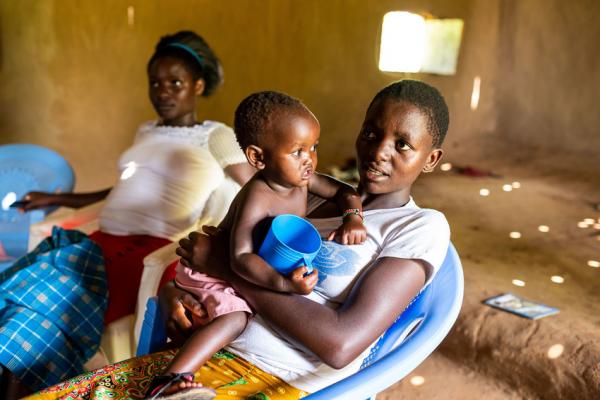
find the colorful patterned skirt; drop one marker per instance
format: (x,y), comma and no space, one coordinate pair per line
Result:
(232,377)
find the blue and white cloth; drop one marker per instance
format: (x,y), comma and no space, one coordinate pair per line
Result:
(52,304)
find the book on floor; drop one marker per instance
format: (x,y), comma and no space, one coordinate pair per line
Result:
(517,305)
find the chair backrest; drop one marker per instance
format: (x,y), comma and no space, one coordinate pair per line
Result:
(24,168)
(27,167)
(435,310)
(405,345)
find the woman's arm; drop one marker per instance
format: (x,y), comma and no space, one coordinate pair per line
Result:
(241,173)
(336,336)
(339,336)
(35,200)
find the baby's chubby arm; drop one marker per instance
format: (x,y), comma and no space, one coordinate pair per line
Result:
(352,230)
(253,209)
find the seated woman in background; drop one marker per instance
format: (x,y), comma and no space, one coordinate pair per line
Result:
(179,170)
(298,344)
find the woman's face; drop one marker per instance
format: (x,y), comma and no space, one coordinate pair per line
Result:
(394,146)
(173,91)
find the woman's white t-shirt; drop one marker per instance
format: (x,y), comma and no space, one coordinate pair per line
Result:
(168,177)
(408,232)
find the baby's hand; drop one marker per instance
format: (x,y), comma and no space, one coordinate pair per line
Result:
(301,284)
(352,231)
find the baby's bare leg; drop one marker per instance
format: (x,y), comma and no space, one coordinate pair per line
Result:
(207,340)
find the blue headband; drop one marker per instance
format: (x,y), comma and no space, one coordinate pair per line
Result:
(187,49)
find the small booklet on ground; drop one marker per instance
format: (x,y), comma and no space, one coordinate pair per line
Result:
(519,306)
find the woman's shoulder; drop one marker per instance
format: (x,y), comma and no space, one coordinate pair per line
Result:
(216,125)
(144,130)
(414,233)
(223,144)
(422,228)
(431,217)
(429,222)
(409,215)
(198,135)
(218,130)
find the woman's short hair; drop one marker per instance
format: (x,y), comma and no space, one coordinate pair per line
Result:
(426,98)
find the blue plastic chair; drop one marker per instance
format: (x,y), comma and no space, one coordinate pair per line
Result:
(406,344)
(23,168)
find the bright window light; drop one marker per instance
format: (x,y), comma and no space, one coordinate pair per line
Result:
(475,93)
(130,15)
(411,43)
(402,42)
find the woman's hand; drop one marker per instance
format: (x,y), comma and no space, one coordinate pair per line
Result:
(211,230)
(301,283)
(208,253)
(36,200)
(182,312)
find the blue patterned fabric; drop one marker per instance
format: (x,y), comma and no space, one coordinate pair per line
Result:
(52,304)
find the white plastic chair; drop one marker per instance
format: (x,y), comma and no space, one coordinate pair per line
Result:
(406,344)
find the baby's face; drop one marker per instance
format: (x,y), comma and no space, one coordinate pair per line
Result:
(290,148)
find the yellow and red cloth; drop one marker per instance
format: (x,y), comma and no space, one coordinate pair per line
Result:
(232,377)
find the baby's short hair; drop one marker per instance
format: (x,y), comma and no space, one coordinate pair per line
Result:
(255,113)
(426,98)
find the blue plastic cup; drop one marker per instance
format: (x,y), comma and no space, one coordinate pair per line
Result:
(290,243)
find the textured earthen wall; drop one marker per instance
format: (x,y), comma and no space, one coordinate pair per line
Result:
(549,82)
(73,72)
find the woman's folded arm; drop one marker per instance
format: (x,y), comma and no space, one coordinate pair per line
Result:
(338,336)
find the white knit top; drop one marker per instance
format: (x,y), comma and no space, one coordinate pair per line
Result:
(168,177)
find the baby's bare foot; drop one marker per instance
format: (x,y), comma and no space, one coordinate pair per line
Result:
(182,386)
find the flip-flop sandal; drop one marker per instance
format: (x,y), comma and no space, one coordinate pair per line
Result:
(162,382)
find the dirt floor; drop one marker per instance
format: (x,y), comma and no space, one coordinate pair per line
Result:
(496,355)
(493,354)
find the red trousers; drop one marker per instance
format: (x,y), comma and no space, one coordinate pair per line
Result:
(124,261)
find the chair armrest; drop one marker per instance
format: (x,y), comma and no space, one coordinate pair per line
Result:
(154,266)
(84,219)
